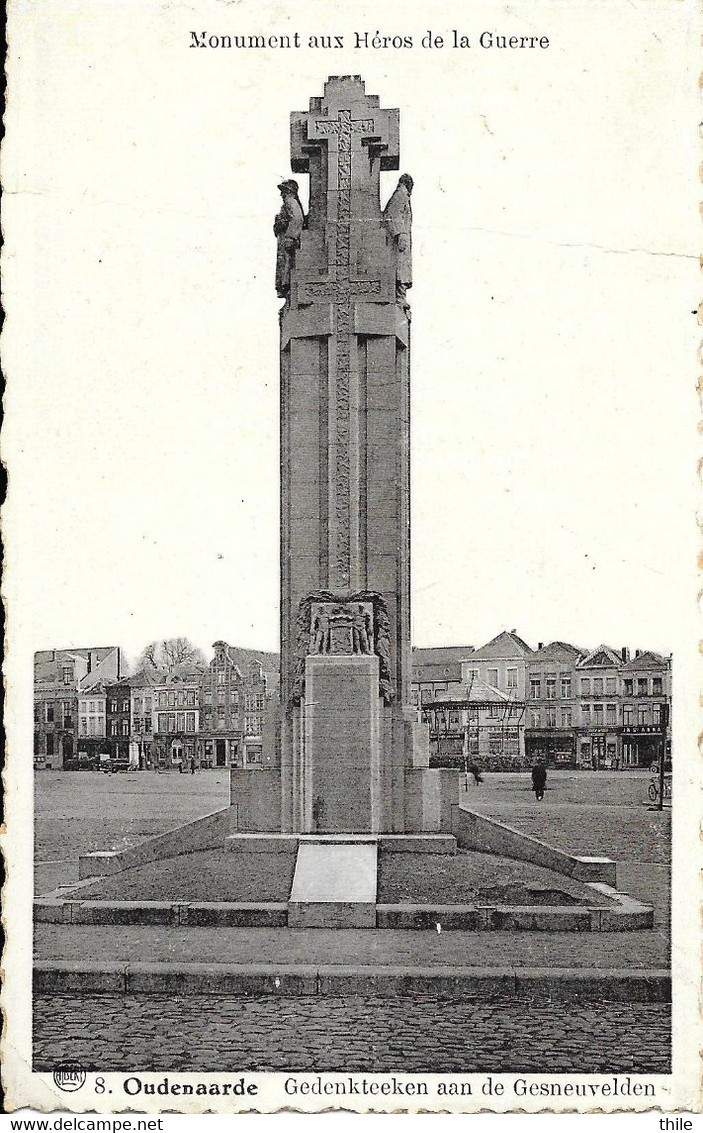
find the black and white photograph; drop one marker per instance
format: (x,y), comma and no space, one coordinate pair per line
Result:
(352,679)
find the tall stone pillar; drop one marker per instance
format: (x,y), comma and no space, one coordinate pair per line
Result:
(353,757)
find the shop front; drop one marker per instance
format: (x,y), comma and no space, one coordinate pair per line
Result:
(598,750)
(556,746)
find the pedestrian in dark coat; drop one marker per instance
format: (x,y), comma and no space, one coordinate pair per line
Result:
(539,779)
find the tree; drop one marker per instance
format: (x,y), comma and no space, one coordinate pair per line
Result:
(169,654)
(179,650)
(148,658)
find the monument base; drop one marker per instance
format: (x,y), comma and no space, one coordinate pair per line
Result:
(341,753)
(255,799)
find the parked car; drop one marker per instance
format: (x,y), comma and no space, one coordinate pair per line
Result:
(81,763)
(112,766)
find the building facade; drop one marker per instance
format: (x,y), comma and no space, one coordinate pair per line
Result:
(237,695)
(436,673)
(552,704)
(599,726)
(142,712)
(501,664)
(58,675)
(221,711)
(177,728)
(118,721)
(646,709)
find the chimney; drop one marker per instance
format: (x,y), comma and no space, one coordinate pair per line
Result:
(90,661)
(540,645)
(637,653)
(625,653)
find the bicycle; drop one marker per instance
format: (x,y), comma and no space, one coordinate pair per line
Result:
(653,790)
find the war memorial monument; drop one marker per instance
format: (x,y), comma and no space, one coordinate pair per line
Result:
(346,783)
(353,757)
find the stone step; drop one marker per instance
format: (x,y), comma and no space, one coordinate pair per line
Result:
(387,843)
(334,884)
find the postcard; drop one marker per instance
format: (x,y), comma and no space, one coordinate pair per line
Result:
(351,669)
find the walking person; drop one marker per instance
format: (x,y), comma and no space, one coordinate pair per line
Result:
(539,779)
(474,770)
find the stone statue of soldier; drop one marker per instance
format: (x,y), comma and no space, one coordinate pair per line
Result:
(287,228)
(361,630)
(397,218)
(321,633)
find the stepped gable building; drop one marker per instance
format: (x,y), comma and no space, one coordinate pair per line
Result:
(58,674)
(552,703)
(236,694)
(436,672)
(646,715)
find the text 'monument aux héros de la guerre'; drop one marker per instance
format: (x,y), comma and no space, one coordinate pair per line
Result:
(454,39)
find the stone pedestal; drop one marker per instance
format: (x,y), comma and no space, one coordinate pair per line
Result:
(341,749)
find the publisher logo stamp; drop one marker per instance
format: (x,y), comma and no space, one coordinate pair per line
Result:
(69,1077)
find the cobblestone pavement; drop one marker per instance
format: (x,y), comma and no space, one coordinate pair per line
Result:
(353,1033)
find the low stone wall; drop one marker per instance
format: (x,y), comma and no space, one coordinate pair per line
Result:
(478,832)
(206,833)
(430,796)
(638,985)
(255,799)
(200,914)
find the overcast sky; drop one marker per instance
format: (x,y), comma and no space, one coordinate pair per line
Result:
(553,385)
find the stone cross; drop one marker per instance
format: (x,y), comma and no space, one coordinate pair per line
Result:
(360,139)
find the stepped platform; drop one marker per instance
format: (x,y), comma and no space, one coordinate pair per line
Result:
(335,884)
